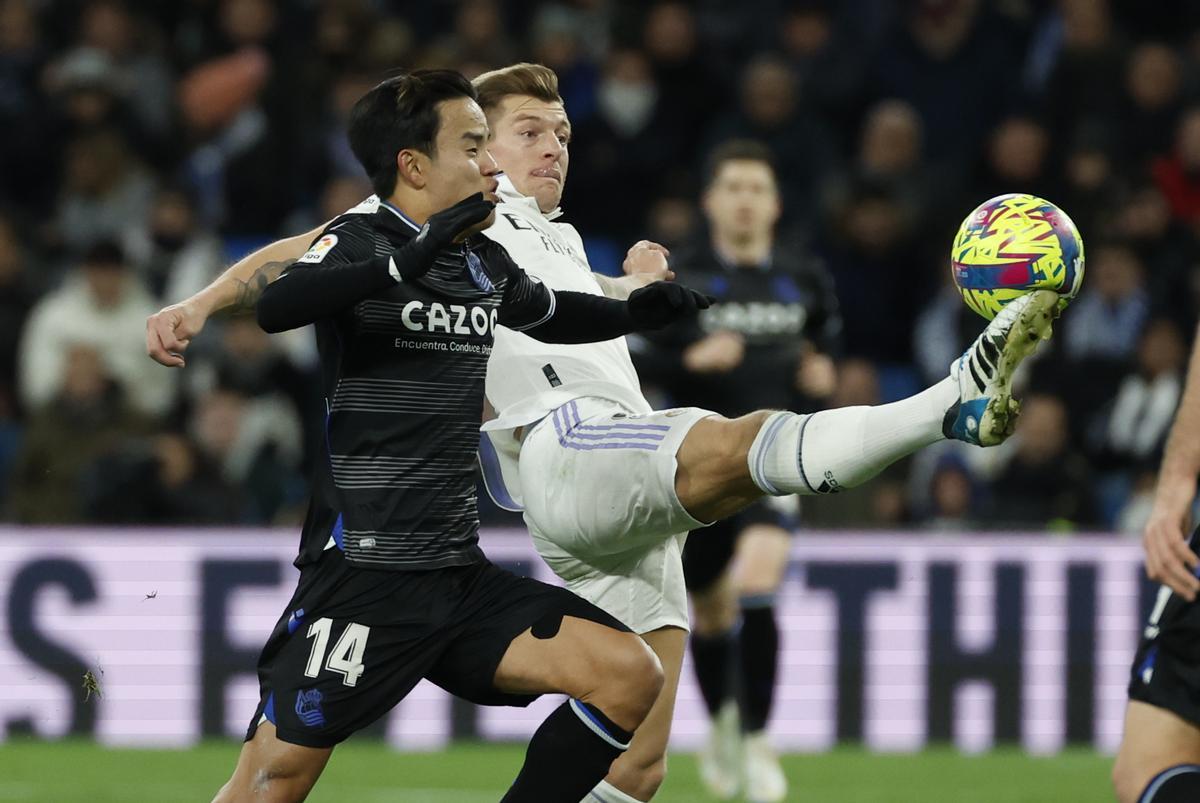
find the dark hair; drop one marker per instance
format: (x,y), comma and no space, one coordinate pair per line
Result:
(401,112)
(738,150)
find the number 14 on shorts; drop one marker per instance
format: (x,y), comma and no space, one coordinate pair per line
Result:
(346,657)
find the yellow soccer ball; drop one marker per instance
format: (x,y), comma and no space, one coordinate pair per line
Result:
(1012,245)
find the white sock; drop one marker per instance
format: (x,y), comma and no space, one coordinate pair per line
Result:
(607,793)
(835,449)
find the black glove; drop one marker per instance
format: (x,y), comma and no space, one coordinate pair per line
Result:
(656,305)
(442,228)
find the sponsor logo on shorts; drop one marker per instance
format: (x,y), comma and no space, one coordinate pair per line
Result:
(308,707)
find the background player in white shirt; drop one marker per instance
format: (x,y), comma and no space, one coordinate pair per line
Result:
(610,487)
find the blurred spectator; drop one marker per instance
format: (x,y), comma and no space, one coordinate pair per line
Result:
(1015,161)
(953,497)
(256,446)
(770,111)
(685,78)
(107,193)
(1178,174)
(254,365)
(1145,403)
(1152,87)
(176,257)
(614,154)
(478,40)
(1089,65)
(141,73)
(160,480)
(954,70)
(558,41)
(1046,483)
(1091,180)
(27,165)
(1106,320)
(881,283)
(1143,219)
(105,306)
(86,418)
(889,155)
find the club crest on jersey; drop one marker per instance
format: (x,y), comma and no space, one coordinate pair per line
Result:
(478,275)
(319,249)
(308,707)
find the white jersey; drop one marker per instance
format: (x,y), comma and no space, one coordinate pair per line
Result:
(527,379)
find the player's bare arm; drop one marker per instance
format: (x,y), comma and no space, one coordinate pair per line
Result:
(645,263)
(1168,558)
(235,292)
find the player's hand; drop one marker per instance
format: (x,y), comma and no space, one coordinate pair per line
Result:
(648,259)
(719,353)
(448,225)
(656,305)
(1169,560)
(170,330)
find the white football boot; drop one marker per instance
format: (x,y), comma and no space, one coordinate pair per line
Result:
(986,412)
(720,757)
(762,774)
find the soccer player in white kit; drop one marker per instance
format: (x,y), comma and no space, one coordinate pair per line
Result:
(610,487)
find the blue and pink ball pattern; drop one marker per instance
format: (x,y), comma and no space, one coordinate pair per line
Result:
(1012,245)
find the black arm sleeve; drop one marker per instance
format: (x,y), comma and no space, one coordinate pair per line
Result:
(583,318)
(322,284)
(559,317)
(304,294)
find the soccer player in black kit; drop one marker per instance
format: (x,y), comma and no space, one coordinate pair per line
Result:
(765,346)
(393,586)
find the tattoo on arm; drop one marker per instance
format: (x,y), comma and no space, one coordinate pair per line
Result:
(249,291)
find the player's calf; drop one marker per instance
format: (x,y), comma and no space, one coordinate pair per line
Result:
(270,770)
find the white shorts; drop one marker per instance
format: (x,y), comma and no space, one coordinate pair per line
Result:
(600,503)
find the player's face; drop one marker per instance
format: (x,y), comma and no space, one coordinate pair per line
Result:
(461,165)
(529,141)
(743,200)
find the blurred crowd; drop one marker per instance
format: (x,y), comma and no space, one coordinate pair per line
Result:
(145,145)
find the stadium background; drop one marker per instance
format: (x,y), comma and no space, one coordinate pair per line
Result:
(144,145)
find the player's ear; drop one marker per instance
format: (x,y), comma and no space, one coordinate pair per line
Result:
(412,167)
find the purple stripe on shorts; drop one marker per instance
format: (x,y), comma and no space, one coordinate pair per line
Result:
(598,436)
(587,447)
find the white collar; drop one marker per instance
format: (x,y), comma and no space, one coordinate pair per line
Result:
(509,194)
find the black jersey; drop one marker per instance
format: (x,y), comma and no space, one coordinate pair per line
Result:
(402,374)
(775,307)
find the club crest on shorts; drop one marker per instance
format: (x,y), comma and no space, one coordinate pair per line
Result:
(478,275)
(308,707)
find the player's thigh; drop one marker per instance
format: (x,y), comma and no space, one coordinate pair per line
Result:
(273,771)
(761,559)
(573,659)
(707,558)
(598,481)
(712,479)
(640,770)
(1154,740)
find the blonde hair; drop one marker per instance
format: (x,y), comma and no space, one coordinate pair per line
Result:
(535,80)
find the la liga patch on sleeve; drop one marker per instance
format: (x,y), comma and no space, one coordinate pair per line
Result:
(319,249)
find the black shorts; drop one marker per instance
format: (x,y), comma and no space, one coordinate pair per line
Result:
(708,552)
(354,642)
(1166,670)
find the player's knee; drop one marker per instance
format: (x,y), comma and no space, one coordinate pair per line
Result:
(634,679)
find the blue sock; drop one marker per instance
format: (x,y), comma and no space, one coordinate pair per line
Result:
(1178,784)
